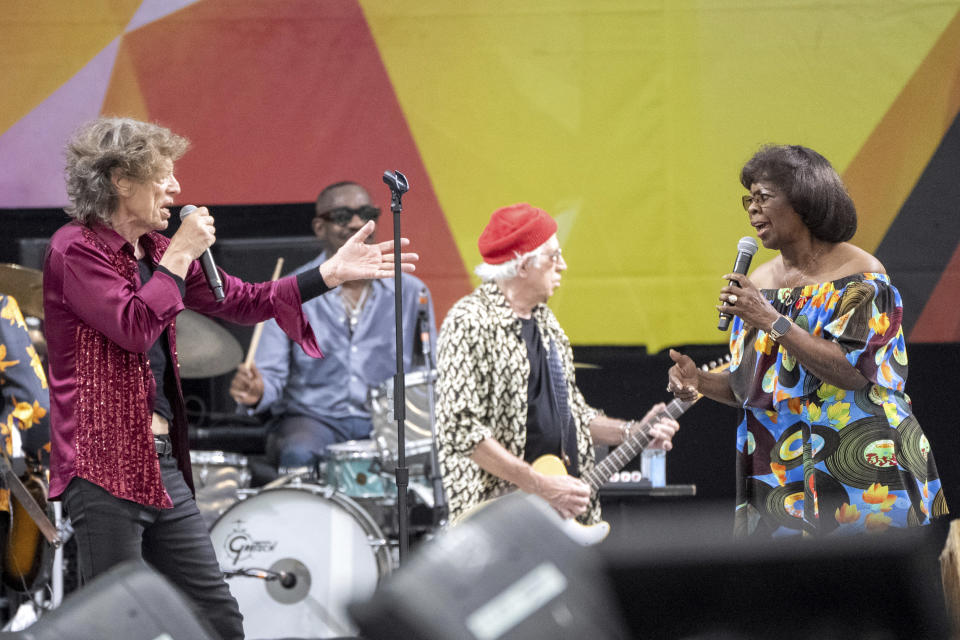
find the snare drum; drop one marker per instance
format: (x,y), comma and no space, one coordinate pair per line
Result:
(353,468)
(218,478)
(332,547)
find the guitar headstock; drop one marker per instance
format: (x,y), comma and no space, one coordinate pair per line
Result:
(716,366)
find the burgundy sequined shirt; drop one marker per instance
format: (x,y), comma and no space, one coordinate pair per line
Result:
(100,323)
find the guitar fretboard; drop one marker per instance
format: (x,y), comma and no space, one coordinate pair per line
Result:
(632,446)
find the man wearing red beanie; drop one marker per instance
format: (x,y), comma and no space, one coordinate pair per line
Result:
(506,391)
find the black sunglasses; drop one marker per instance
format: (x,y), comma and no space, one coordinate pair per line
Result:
(343,215)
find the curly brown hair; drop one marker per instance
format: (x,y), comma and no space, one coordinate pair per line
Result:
(134,149)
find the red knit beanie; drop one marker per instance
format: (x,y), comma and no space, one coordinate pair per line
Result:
(515,230)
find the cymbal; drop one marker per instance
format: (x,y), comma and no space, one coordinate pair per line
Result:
(585,365)
(204,348)
(24,284)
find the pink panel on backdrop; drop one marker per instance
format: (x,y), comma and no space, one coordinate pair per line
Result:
(31,151)
(280,99)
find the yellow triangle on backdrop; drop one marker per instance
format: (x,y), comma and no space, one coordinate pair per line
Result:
(632,119)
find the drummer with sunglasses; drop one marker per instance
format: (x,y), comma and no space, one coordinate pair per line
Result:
(313,403)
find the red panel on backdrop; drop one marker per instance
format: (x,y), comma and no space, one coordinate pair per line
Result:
(280,99)
(939,321)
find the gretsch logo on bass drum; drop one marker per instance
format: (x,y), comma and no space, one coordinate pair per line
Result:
(240,545)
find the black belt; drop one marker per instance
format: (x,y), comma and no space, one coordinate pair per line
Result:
(164,446)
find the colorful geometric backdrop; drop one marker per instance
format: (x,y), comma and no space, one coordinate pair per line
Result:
(627,120)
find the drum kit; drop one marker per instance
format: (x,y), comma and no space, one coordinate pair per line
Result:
(300,548)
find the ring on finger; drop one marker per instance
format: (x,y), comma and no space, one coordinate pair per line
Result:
(732,298)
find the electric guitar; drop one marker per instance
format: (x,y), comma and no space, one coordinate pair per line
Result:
(638,440)
(25,556)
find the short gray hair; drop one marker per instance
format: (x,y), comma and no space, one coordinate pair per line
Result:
(135,149)
(508,269)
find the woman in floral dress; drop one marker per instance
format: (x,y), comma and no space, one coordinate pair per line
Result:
(827,443)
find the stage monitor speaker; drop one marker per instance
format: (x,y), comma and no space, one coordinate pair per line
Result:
(509,572)
(131,601)
(678,573)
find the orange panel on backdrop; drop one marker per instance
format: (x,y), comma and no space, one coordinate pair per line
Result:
(298,91)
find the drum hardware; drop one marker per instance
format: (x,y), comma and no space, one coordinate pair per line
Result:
(419,444)
(286,579)
(305,475)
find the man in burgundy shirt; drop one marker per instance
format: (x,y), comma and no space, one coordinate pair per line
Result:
(113,287)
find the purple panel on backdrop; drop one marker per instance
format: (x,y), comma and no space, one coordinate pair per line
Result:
(31,151)
(151,10)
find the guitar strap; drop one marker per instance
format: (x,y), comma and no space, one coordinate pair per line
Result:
(558,385)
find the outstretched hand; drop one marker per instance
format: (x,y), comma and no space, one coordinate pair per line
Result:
(359,260)
(683,380)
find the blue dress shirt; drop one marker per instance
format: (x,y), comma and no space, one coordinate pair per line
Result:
(336,385)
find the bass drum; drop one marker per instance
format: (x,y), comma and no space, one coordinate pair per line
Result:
(332,548)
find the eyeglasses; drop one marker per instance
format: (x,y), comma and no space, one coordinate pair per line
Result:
(554,256)
(343,215)
(760,198)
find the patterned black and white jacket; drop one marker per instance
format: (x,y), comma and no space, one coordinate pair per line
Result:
(482,372)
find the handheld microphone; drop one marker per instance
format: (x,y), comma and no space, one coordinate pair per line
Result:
(206,261)
(745,250)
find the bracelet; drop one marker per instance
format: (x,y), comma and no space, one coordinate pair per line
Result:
(625,430)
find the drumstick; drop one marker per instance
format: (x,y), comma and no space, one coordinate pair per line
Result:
(257,330)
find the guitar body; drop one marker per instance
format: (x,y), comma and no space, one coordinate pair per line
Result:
(583,534)
(25,554)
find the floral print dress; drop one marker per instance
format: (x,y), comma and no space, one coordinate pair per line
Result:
(816,459)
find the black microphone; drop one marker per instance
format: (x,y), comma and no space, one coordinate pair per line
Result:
(206,261)
(745,250)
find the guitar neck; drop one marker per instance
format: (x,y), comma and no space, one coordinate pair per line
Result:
(632,446)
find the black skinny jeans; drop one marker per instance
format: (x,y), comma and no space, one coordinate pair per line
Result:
(175,542)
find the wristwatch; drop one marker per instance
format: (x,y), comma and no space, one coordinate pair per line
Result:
(780,326)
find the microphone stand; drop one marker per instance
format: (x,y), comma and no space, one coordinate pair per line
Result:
(398,186)
(436,480)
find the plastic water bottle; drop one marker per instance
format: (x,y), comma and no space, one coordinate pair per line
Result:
(653,466)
